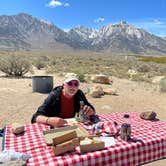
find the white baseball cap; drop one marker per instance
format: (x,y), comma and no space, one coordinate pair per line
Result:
(71,78)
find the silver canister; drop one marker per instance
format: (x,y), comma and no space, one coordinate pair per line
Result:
(125,131)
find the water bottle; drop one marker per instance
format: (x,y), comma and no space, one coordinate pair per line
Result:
(82,116)
(125,131)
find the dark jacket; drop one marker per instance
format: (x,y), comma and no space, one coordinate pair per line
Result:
(52,104)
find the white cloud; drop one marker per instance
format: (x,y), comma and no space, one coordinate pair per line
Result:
(99,20)
(66,4)
(155,26)
(56,3)
(157,22)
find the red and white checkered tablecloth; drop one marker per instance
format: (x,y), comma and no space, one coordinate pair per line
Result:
(148,143)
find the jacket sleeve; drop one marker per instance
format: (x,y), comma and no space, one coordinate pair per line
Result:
(42,110)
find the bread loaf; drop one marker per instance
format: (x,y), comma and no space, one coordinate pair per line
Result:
(17,128)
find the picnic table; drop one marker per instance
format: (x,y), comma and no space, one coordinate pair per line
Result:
(148,143)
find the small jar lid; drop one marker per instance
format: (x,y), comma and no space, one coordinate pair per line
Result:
(126,116)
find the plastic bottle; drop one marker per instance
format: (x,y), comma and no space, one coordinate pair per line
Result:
(77,118)
(11,155)
(20,156)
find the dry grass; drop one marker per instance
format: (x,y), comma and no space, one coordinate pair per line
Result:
(96,63)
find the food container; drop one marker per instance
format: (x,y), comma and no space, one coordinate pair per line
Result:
(49,135)
(62,137)
(89,144)
(66,146)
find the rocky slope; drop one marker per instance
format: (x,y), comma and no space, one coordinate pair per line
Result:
(26,32)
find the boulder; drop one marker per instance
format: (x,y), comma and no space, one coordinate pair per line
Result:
(103,79)
(96,91)
(131,73)
(110,91)
(157,79)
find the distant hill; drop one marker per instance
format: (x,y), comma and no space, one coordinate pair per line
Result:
(25,32)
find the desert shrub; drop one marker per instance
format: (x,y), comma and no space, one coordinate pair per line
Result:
(151,74)
(120,73)
(14,65)
(152,59)
(141,77)
(143,68)
(162,70)
(163,85)
(40,63)
(99,63)
(80,75)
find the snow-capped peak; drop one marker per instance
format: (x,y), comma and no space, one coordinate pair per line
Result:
(46,22)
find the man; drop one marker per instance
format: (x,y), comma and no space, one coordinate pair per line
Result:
(63,102)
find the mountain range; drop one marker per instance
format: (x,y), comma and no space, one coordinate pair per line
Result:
(25,32)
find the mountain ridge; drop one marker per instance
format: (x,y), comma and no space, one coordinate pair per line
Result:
(23,31)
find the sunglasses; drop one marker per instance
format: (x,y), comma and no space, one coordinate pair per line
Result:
(70,83)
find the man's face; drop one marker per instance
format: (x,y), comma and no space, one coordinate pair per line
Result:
(71,87)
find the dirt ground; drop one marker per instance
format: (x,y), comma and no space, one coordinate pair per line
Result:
(18,102)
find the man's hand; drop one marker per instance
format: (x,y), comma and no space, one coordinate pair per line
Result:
(56,122)
(88,110)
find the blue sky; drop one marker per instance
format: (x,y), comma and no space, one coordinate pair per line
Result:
(66,14)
